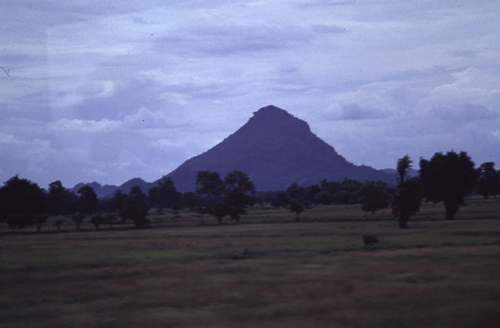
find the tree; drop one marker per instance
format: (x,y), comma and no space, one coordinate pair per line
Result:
(23,199)
(210,188)
(190,200)
(109,219)
(238,192)
(488,180)
(135,209)
(165,195)
(311,192)
(17,221)
(60,201)
(56,198)
(374,196)
(78,219)
(280,199)
(296,197)
(448,178)
(331,187)
(408,195)
(87,203)
(39,220)
(96,220)
(297,207)
(323,198)
(117,201)
(296,193)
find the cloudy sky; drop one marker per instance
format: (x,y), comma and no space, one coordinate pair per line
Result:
(110,90)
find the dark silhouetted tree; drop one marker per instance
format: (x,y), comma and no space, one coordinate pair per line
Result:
(166,195)
(311,192)
(117,201)
(296,193)
(190,200)
(210,189)
(238,191)
(488,180)
(96,220)
(23,199)
(448,178)
(331,187)
(56,198)
(323,198)
(109,218)
(297,207)
(78,219)
(39,220)
(87,203)
(408,195)
(280,199)
(17,221)
(374,196)
(135,209)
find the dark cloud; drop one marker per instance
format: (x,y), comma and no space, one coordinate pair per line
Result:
(464,113)
(221,40)
(356,112)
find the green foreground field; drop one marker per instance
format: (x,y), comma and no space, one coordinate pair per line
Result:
(263,272)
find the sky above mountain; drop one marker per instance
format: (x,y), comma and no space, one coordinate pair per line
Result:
(110,90)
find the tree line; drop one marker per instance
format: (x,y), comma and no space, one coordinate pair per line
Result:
(446,178)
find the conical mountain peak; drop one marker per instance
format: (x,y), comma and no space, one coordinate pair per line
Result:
(275,149)
(272,118)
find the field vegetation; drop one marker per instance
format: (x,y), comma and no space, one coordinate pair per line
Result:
(265,271)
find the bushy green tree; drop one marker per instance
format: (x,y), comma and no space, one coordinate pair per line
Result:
(448,178)
(348,192)
(221,198)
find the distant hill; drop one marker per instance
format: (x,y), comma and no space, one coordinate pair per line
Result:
(109,190)
(275,149)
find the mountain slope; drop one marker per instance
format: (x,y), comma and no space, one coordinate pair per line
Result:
(275,149)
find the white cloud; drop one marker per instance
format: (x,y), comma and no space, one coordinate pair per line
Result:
(86,126)
(136,89)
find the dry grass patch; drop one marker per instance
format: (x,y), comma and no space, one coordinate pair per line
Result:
(277,274)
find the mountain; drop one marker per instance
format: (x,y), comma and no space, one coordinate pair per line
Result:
(108,190)
(101,191)
(145,186)
(275,149)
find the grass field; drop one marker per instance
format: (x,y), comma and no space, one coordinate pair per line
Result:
(263,272)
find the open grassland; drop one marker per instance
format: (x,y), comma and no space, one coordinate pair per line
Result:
(266,271)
